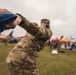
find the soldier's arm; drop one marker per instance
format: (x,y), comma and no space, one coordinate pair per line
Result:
(31,28)
(34,30)
(44,33)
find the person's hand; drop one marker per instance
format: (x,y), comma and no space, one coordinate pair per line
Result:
(16,22)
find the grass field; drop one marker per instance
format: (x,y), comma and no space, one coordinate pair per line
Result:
(48,64)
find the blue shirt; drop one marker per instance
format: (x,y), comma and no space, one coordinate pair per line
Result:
(6,18)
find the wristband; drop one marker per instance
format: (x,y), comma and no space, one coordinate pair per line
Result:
(23,19)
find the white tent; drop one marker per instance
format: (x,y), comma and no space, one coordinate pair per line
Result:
(74,40)
(17,32)
(7,32)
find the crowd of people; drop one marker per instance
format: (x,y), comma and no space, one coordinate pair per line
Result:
(61,46)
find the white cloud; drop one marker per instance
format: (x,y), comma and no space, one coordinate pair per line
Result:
(38,5)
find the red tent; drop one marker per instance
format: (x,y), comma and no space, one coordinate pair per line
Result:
(2,36)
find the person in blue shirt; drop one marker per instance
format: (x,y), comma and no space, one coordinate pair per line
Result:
(8,19)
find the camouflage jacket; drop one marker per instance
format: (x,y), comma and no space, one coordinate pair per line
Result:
(36,36)
(34,40)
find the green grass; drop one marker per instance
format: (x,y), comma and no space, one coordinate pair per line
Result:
(48,64)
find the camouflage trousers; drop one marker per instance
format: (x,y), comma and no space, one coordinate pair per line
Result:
(26,65)
(17,70)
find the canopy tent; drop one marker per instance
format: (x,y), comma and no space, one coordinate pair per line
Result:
(2,36)
(16,32)
(74,40)
(55,39)
(65,40)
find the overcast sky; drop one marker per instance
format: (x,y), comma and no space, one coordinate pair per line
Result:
(61,13)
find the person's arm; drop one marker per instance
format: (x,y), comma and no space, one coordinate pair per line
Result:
(4,11)
(31,28)
(35,30)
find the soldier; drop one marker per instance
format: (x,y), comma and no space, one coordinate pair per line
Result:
(22,59)
(6,40)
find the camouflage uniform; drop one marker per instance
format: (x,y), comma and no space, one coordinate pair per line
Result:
(22,59)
